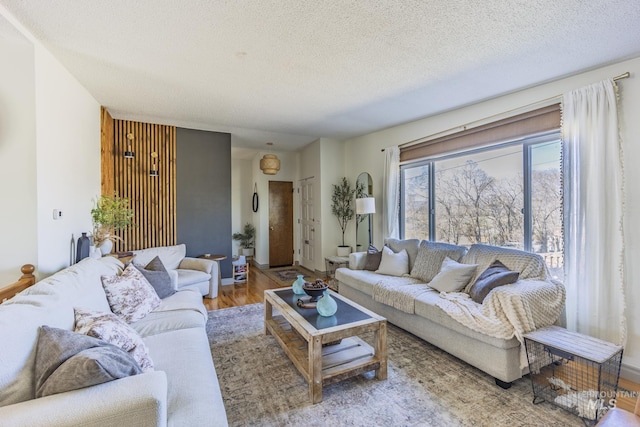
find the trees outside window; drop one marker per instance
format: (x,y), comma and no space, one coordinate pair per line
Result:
(505,196)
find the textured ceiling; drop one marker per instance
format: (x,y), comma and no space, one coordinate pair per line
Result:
(290,71)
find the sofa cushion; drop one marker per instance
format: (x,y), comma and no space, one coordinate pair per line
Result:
(425,306)
(496,275)
(67,360)
(130,295)
(156,274)
(20,318)
(80,285)
(374,256)
(191,277)
(182,310)
(410,245)
(528,264)
(453,276)
(393,264)
(430,256)
(193,396)
(111,329)
(170,255)
(362,280)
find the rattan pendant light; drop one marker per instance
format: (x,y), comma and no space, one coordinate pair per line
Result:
(270,163)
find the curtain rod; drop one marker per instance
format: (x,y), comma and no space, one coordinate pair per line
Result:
(465,126)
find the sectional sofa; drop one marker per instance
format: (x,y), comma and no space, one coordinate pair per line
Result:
(186,272)
(487,335)
(181,390)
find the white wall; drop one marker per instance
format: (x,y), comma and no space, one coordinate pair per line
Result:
(289,170)
(333,169)
(61,137)
(17,154)
(241,197)
(68,153)
(363,154)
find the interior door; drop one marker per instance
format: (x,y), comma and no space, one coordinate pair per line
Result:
(307,224)
(280,223)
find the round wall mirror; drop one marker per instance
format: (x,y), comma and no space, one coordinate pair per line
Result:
(364,231)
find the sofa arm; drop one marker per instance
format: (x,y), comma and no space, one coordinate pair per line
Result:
(139,400)
(173,274)
(357,260)
(207,266)
(200,264)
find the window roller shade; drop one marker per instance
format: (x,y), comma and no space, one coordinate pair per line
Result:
(531,123)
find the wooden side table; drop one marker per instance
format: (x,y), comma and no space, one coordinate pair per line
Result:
(217,258)
(332,263)
(576,372)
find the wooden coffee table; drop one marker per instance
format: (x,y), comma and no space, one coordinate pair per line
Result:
(303,335)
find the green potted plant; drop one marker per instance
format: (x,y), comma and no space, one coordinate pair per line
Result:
(111,213)
(341,207)
(246,239)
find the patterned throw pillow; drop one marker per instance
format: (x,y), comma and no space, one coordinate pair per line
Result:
(110,328)
(130,295)
(374,256)
(430,257)
(158,277)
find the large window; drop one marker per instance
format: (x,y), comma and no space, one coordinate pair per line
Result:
(506,195)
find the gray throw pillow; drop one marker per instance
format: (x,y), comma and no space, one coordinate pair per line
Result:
(66,361)
(430,258)
(496,275)
(157,275)
(373,258)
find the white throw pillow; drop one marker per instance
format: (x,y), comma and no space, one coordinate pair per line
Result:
(393,264)
(130,295)
(453,276)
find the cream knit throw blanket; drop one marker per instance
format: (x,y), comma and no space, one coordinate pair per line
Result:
(399,292)
(508,311)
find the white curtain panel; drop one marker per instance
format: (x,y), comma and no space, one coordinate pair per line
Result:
(593,212)
(391,199)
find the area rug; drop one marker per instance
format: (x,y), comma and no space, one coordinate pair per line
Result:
(425,386)
(285,276)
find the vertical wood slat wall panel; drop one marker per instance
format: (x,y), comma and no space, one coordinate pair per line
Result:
(107,182)
(153,199)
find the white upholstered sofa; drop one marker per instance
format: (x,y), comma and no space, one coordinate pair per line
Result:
(183,389)
(186,272)
(453,321)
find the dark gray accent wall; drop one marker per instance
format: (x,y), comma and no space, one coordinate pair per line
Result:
(203,175)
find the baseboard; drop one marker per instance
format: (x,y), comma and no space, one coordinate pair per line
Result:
(630,373)
(260,266)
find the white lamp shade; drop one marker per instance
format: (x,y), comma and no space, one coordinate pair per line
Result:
(366,205)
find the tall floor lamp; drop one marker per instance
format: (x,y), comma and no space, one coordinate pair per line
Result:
(366,206)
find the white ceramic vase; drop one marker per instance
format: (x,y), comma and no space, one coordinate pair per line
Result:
(106,247)
(247,251)
(344,250)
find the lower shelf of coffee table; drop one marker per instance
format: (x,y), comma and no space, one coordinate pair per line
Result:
(351,357)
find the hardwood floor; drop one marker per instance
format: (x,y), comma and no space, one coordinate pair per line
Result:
(253,292)
(239,294)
